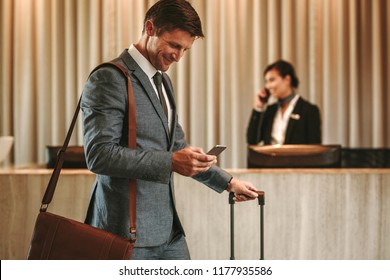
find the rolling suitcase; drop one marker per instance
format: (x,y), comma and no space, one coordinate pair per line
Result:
(261,201)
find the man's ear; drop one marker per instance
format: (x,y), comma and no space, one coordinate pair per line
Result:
(150,29)
(288,78)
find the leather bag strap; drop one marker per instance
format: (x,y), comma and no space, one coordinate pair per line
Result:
(132,143)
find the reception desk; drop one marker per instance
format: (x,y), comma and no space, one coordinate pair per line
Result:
(309,213)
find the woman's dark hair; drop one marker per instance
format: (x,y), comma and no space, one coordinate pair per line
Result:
(168,15)
(284,68)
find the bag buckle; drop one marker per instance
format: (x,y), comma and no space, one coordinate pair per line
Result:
(133,234)
(43,207)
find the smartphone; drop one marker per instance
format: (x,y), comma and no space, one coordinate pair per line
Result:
(216,150)
(267,95)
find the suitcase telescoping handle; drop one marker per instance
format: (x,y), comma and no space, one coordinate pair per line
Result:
(261,201)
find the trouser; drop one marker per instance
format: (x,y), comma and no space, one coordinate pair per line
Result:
(174,249)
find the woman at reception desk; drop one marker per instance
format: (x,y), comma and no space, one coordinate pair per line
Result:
(291,120)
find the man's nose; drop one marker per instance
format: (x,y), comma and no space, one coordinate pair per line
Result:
(178,55)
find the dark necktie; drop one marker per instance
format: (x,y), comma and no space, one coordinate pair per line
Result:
(157,81)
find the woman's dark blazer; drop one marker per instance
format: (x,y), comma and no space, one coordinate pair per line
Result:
(304,126)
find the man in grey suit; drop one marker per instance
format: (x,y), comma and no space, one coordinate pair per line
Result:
(170,29)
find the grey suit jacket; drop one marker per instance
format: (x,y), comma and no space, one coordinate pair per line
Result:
(105,112)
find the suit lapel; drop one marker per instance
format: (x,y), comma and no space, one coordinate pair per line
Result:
(169,90)
(140,75)
(268,122)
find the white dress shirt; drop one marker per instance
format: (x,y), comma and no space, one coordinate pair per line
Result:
(279,126)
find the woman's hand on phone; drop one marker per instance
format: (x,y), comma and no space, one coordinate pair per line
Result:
(261,98)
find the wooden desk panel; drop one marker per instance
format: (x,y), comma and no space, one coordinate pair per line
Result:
(309,213)
(21,195)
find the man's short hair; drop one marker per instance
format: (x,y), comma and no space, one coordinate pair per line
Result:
(168,15)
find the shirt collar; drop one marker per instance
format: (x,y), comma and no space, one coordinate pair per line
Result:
(294,100)
(145,65)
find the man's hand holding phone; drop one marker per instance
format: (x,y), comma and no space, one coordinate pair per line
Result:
(193,160)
